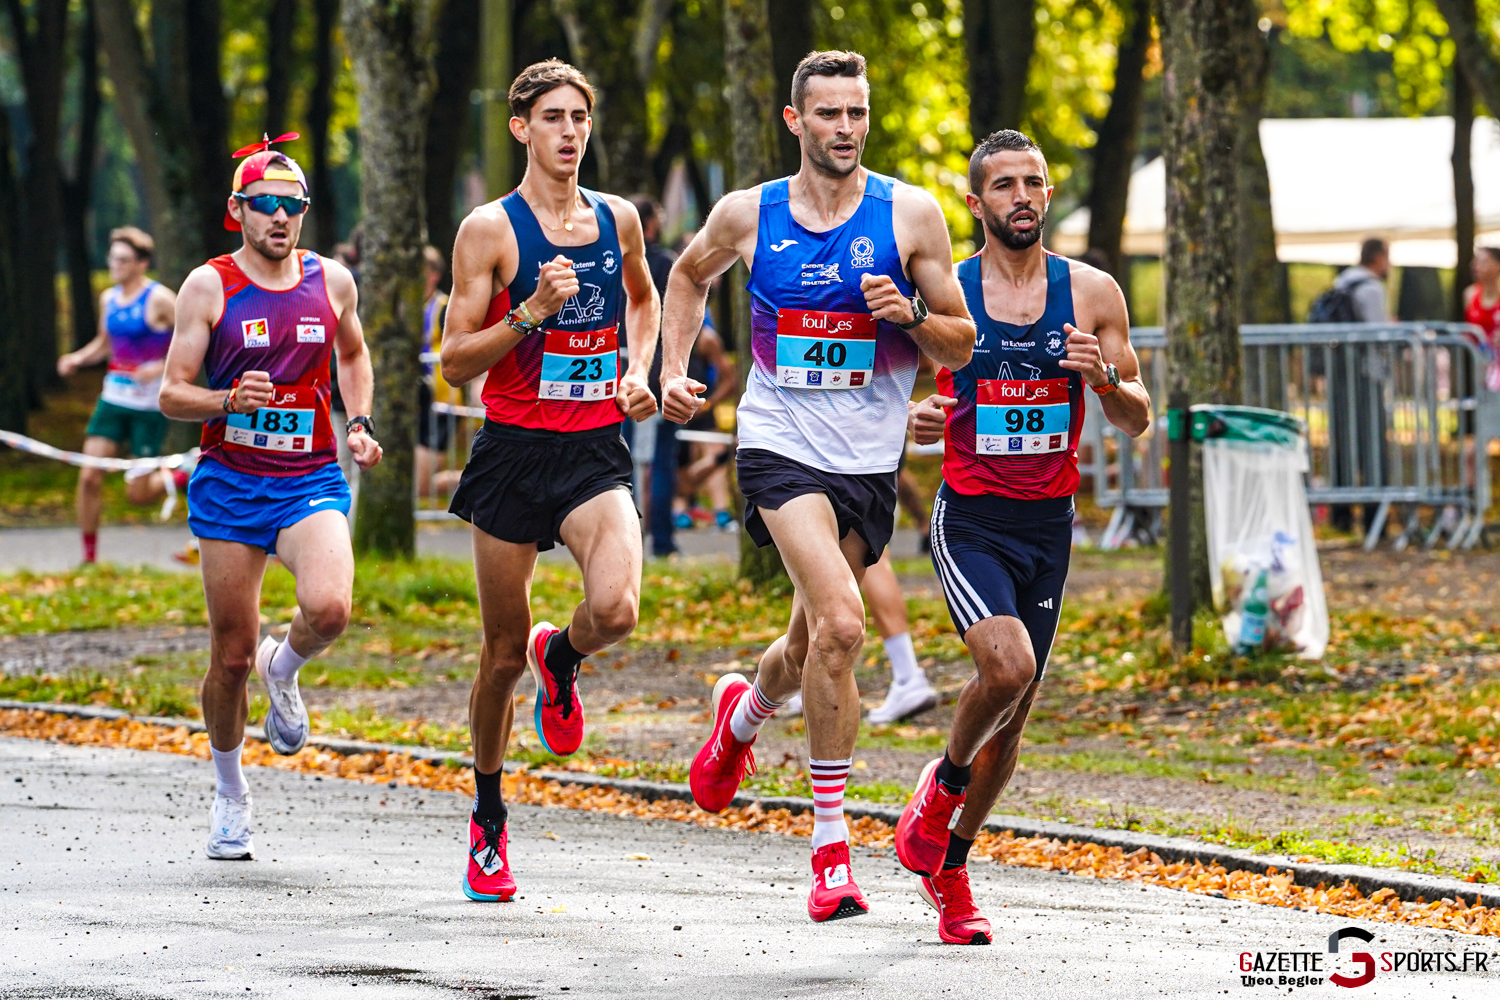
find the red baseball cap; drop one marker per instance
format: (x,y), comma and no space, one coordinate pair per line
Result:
(263,165)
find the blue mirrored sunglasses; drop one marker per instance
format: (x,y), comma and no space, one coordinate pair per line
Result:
(267,204)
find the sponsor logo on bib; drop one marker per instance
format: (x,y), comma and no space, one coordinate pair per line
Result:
(309,333)
(256,332)
(862,252)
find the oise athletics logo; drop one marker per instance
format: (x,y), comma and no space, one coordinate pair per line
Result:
(862,252)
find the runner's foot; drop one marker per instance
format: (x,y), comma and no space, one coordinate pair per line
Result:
(724,761)
(286,722)
(559,708)
(922,830)
(488,878)
(793,705)
(834,894)
(905,700)
(959,920)
(229,830)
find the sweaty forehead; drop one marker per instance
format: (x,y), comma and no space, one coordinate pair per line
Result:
(1015,164)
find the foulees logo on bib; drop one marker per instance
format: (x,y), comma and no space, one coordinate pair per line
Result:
(257,333)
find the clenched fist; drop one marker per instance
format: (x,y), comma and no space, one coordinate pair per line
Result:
(555,284)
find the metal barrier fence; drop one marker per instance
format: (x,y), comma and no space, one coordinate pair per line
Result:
(1397,416)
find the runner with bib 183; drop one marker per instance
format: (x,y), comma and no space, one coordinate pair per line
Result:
(261,323)
(1002,523)
(850,279)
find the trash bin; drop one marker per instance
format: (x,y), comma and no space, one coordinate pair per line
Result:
(1263,560)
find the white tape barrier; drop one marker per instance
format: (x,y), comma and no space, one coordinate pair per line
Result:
(133,468)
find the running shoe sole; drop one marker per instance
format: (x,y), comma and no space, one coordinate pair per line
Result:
(480,897)
(979,937)
(848,907)
(244,856)
(272,727)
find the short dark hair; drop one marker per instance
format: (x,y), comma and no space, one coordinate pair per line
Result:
(835,62)
(1007,140)
(1371,249)
(1492,252)
(136,239)
(542,77)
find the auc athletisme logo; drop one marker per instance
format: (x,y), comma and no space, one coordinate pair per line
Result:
(585,307)
(862,252)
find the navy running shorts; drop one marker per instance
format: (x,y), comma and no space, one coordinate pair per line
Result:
(999,556)
(862,503)
(242,507)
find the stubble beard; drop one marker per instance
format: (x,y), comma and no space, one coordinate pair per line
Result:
(1011,238)
(818,156)
(263,247)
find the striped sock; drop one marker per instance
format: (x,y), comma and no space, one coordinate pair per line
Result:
(751,713)
(828,780)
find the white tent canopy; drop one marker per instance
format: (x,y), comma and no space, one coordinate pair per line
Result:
(1336,181)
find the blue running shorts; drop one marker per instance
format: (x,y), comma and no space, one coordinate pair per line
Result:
(999,556)
(236,507)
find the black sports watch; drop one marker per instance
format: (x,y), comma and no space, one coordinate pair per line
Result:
(365,422)
(918,313)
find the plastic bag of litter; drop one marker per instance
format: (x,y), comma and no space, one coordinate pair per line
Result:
(1267,584)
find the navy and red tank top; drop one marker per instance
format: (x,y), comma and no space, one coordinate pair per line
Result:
(564,375)
(1014,431)
(289,335)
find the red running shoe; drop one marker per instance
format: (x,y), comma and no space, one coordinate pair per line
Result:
(724,761)
(834,894)
(559,712)
(922,831)
(959,920)
(488,878)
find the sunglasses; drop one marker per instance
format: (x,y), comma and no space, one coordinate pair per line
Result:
(267,204)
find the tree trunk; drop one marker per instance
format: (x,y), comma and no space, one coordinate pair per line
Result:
(1474,53)
(319,111)
(497,67)
(1463,187)
(752,110)
(77,189)
(1000,36)
(39,41)
(391,45)
(280,25)
(1264,295)
(448,121)
(13,408)
(209,113)
(1114,153)
(1201,135)
(791,39)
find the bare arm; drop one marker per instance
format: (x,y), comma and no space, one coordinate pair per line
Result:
(1099,303)
(947,336)
(485,245)
(642,312)
(91,353)
(356,375)
(728,235)
(199,302)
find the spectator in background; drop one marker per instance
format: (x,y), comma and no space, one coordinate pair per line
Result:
(707,467)
(654,444)
(1359,460)
(433,429)
(1482,307)
(1365,282)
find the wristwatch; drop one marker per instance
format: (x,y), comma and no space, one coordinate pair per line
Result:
(918,313)
(1112,374)
(365,422)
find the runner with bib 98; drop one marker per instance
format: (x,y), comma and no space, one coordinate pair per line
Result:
(1002,521)
(838,256)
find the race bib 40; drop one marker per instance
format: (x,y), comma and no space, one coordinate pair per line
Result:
(824,350)
(1021,417)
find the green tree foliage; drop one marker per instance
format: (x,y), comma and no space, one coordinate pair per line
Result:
(1412,31)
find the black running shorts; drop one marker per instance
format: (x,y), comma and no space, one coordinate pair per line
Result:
(521,484)
(864,504)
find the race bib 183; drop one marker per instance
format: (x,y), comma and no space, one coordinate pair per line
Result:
(579,365)
(824,350)
(286,423)
(1016,417)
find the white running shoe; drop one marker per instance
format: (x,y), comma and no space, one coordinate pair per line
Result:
(229,830)
(793,705)
(905,700)
(286,722)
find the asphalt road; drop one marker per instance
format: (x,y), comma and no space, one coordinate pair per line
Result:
(356,894)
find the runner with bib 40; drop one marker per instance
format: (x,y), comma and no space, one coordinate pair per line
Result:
(837,257)
(1002,522)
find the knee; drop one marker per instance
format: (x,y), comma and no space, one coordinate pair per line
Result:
(327,618)
(91,480)
(614,619)
(502,661)
(235,663)
(1005,676)
(837,638)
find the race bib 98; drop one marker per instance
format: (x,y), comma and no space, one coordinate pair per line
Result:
(824,350)
(1016,417)
(284,424)
(579,366)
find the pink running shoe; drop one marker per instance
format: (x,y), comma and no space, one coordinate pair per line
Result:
(724,761)
(488,878)
(959,920)
(834,894)
(559,712)
(922,831)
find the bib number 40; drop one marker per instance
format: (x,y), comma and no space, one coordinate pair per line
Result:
(833,357)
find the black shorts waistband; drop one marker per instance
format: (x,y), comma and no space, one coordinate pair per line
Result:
(534,435)
(1008,508)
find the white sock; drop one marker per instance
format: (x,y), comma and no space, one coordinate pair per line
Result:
(231,776)
(828,780)
(751,713)
(285,663)
(903,657)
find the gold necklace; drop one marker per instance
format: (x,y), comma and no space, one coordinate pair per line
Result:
(567,223)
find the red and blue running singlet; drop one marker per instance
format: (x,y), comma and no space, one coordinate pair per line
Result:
(563,376)
(1014,431)
(289,335)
